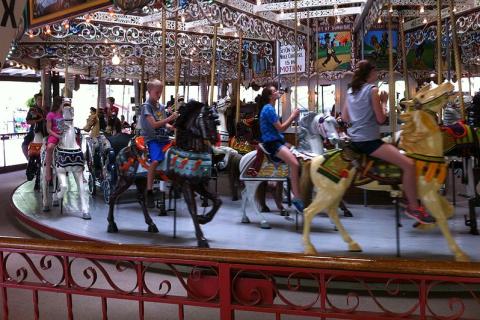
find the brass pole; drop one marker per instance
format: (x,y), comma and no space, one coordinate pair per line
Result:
(66,88)
(404,58)
(164,53)
(307,63)
(439,42)
(239,76)
(142,81)
(456,53)
(391,81)
(295,93)
(177,62)
(214,59)
(316,70)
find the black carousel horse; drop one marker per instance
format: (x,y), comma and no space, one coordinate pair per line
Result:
(187,165)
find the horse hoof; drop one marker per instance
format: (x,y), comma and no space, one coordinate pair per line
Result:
(112,228)
(462,257)
(46,209)
(284,213)
(310,250)
(347,213)
(86,216)
(152,228)
(265,209)
(245,219)
(203,219)
(203,243)
(265,225)
(354,247)
(423,227)
(335,228)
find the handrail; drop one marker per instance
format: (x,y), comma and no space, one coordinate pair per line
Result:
(90,248)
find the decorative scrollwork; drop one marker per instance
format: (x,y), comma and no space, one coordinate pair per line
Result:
(392,288)
(46,263)
(90,274)
(453,302)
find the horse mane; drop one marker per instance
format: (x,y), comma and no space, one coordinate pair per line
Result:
(410,133)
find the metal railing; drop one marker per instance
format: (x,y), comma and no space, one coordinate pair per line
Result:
(11,149)
(232,282)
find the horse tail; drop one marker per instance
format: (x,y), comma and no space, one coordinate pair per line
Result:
(306,185)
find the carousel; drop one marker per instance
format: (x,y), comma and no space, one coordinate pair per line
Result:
(218,186)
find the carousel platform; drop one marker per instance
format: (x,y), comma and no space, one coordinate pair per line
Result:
(373,227)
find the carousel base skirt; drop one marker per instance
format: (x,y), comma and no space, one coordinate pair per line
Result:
(373,227)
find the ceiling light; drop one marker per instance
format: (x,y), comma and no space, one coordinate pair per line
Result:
(339,19)
(425,20)
(391,9)
(115,59)
(454,9)
(422,9)
(298,22)
(379,20)
(183,19)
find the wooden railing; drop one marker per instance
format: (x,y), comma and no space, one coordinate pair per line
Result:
(231,281)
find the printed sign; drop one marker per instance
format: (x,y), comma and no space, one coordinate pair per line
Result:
(287,60)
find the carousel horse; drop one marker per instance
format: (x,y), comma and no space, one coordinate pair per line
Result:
(67,158)
(187,166)
(34,164)
(314,130)
(96,155)
(331,174)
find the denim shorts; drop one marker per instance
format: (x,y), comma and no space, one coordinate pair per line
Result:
(273,147)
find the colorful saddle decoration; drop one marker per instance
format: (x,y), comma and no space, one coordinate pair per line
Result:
(34,149)
(67,157)
(190,164)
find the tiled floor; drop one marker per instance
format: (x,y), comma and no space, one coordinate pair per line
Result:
(372,227)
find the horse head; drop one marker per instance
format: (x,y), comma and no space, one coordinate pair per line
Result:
(430,99)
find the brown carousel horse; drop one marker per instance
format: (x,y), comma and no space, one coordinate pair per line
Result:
(187,165)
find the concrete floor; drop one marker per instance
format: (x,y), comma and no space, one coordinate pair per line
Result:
(372,227)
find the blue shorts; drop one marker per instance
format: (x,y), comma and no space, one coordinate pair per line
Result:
(272,147)
(155,149)
(367,147)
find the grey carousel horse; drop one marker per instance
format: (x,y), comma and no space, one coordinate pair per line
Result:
(314,128)
(67,158)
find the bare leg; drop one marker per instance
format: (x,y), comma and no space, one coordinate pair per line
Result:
(48,162)
(392,155)
(151,174)
(287,157)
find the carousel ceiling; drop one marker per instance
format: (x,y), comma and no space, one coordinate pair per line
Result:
(134,35)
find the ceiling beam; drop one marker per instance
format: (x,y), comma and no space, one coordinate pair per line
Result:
(415,23)
(321,13)
(289,5)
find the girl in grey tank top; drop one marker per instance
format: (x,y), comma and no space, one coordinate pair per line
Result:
(364,126)
(366,111)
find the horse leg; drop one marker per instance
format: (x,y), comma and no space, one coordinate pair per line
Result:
(141,186)
(217,202)
(261,196)
(62,178)
(432,200)
(189,197)
(251,188)
(278,197)
(81,190)
(346,211)
(333,215)
(45,191)
(122,185)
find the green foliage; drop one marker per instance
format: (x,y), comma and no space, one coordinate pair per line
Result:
(31,102)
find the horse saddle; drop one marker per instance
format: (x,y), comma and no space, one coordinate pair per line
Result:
(265,166)
(189,164)
(34,149)
(68,157)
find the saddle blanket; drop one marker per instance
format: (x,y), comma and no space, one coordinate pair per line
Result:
(69,158)
(189,164)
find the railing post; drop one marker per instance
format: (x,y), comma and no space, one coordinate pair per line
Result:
(141,304)
(225,292)
(66,270)
(422,295)
(4,289)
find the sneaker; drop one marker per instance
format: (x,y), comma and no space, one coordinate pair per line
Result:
(420,215)
(299,205)
(149,200)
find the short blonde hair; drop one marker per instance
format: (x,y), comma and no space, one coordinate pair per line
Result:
(154,83)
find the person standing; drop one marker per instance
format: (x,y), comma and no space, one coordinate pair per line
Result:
(365,110)
(154,128)
(36,120)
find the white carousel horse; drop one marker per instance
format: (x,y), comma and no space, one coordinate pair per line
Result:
(314,128)
(68,158)
(222,106)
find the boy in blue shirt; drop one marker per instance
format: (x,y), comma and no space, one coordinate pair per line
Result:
(155,130)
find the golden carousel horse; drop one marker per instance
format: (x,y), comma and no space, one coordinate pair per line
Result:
(331,174)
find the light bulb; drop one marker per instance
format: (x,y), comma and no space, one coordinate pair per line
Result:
(422,9)
(298,23)
(115,60)
(183,19)
(379,20)
(259,2)
(391,9)
(454,9)
(338,19)
(425,20)
(282,13)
